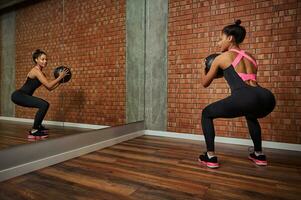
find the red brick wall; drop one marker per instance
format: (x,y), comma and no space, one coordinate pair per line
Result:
(90,38)
(273,36)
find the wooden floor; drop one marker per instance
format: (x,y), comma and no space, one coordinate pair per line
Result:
(15,133)
(155,168)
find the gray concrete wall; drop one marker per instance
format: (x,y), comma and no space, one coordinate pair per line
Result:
(7,63)
(146,62)
(156,64)
(135,59)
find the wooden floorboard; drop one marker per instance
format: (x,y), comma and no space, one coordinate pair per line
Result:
(15,133)
(155,168)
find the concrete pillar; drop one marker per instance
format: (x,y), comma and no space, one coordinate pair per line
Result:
(7,63)
(135,59)
(156,64)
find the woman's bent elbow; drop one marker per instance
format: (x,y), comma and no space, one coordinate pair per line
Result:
(205,84)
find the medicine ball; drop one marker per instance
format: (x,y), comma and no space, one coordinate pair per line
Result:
(57,71)
(208,61)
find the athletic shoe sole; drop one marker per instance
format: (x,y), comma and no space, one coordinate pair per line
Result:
(32,137)
(209,164)
(258,162)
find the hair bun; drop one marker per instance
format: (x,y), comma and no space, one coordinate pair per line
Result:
(37,51)
(237,22)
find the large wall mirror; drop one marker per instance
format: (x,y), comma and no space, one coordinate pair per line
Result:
(90,37)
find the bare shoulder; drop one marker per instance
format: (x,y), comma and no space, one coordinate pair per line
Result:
(224,60)
(34,72)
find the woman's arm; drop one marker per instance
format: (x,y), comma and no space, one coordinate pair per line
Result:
(55,86)
(50,85)
(208,78)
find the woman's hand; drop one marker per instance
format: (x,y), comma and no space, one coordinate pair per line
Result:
(64,73)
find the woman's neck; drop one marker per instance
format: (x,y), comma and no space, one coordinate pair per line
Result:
(233,46)
(38,67)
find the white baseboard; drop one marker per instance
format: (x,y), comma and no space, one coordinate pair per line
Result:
(56,123)
(227,140)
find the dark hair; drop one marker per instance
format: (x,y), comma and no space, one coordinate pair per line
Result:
(236,30)
(37,53)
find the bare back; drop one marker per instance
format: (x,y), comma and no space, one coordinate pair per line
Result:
(244,66)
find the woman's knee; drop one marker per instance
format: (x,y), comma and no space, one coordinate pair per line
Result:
(47,105)
(44,105)
(206,112)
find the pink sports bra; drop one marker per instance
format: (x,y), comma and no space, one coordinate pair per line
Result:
(241,54)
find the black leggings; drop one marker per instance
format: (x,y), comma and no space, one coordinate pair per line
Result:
(22,99)
(250,102)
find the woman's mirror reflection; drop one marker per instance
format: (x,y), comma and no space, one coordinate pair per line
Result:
(94,98)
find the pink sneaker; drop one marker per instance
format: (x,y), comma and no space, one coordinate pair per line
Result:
(209,162)
(36,135)
(258,160)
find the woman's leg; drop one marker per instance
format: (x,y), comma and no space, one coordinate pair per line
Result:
(25,100)
(43,108)
(255,133)
(225,108)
